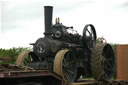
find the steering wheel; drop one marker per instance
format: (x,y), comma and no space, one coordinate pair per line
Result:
(89,37)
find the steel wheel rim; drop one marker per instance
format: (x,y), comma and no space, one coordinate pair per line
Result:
(61,67)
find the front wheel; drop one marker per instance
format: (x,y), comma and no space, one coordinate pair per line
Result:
(65,65)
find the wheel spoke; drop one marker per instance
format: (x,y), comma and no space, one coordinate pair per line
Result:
(71,72)
(25,61)
(67,77)
(106,60)
(70,63)
(110,66)
(107,68)
(107,52)
(89,32)
(90,44)
(106,75)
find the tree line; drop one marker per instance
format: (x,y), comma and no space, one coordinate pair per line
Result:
(11,53)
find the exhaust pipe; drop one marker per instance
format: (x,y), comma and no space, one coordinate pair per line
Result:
(48,20)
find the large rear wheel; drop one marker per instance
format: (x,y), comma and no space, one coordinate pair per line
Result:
(102,62)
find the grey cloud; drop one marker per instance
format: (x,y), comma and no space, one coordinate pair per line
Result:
(125,4)
(13,16)
(23,11)
(71,6)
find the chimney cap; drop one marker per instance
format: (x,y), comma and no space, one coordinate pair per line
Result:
(48,6)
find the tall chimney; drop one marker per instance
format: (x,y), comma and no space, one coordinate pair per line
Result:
(48,19)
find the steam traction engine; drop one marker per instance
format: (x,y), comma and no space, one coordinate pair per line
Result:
(69,54)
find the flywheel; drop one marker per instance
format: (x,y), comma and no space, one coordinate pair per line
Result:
(89,37)
(102,62)
(65,65)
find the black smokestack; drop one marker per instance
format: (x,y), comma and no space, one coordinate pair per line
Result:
(48,19)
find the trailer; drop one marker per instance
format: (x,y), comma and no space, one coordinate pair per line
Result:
(94,82)
(16,75)
(24,75)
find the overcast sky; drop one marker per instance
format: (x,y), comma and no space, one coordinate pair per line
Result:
(22,21)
